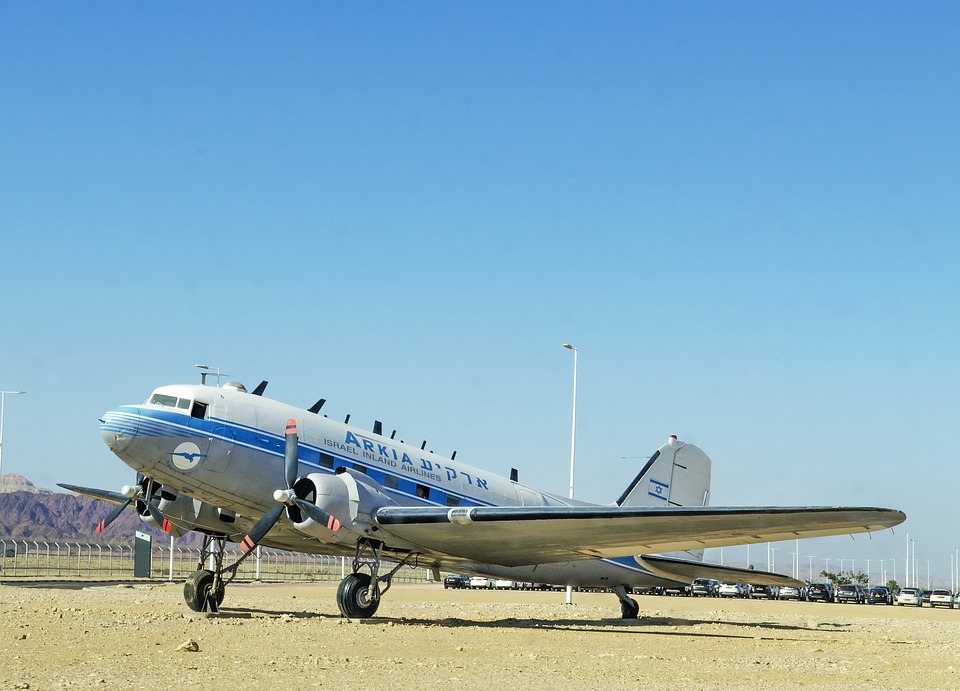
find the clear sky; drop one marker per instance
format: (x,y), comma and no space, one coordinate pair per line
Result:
(744,215)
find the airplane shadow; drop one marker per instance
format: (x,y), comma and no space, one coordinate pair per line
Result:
(641,626)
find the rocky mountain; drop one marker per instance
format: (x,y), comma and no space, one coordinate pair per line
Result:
(34,513)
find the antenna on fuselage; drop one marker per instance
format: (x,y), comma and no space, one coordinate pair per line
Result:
(423,445)
(378,427)
(261,387)
(315,408)
(346,419)
(514,475)
(453,457)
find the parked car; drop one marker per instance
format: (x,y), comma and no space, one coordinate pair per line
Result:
(456,581)
(677,590)
(909,596)
(851,592)
(941,597)
(925,596)
(788,592)
(481,582)
(705,587)
(734,590)
(880,595)
(820,591)
(767,592)
(504,584)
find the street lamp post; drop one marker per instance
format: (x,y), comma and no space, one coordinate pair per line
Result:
(573,442)
(3,399)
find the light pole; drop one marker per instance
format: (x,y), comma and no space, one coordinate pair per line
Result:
(573,442)
(3,398)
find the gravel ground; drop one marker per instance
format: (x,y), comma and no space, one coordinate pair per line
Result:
(143,636)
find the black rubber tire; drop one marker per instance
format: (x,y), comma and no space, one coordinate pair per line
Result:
(352,597)
(629,610)
(197,587)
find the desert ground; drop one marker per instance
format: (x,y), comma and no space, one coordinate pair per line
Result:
(141,635)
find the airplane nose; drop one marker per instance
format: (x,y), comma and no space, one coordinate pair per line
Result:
(118,427)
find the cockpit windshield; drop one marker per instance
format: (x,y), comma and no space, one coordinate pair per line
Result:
(169,401)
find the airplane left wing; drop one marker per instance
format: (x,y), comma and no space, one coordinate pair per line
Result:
(93,493)
(515,536)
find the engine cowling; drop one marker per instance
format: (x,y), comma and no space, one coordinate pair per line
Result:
(350,499)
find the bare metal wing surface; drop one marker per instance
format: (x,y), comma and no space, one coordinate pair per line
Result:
(513,536)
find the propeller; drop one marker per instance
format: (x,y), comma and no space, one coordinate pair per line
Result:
(136,492)
(287,497)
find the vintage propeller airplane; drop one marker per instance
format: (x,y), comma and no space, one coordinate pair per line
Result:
(229,463)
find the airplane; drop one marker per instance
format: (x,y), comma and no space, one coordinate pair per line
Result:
(239,467)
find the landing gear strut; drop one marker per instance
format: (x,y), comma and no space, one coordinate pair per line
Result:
(358,596)
(204,589)
(629,608)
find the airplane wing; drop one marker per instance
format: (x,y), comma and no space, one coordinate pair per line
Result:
(101,494)
(514,536)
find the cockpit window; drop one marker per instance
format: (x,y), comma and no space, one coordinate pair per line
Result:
(170,401)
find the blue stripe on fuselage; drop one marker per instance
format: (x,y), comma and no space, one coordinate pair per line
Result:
(156,422)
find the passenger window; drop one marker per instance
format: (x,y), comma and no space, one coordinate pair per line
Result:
(326,461)
(423,491)
(391,481)
(453,500)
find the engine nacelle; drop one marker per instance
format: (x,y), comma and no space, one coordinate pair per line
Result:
(349,499)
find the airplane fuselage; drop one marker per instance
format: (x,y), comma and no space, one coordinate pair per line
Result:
(224,447)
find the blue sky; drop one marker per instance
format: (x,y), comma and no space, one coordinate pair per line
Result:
(744,215)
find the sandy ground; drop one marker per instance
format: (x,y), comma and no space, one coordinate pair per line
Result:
(292,636)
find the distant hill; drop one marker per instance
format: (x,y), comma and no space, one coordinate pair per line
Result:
(34,513)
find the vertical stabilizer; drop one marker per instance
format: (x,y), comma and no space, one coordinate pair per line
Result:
(677,474)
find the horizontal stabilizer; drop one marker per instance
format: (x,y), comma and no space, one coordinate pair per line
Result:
(686,571)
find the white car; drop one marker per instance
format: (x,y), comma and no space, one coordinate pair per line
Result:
(732,590)
(941,598)
(909,596)
(481,582)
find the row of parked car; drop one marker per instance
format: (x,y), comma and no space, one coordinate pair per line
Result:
(824,592)
(484,583)
(709,587)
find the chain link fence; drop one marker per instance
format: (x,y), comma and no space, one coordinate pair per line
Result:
(44,559)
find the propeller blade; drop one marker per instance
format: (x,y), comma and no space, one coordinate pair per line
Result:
(291,461)
(165,525)
(261,528)
(317,514)
(102,525)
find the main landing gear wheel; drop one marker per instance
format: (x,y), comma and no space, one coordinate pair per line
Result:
(629,608)
(197,591)
(355,598)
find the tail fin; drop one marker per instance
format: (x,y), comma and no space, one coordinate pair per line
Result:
(677,474)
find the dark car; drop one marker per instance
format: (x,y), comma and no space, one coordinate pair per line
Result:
(820,591)
(851,592)
(705,587)
(767,592)
(925,597)
(881,595)
(456,581)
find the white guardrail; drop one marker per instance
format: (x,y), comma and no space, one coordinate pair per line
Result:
(45,559)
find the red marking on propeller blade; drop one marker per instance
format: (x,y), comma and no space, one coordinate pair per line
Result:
(333,524)
(101,526)
(291,426)
(246,544)
(167,526)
